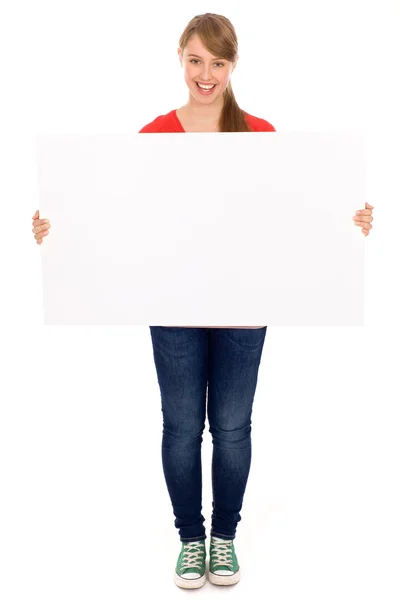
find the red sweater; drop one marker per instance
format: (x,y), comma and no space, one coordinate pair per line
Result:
(170,123)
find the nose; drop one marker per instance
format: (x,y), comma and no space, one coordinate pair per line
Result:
(206,75)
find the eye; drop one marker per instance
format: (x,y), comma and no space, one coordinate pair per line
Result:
(219,63)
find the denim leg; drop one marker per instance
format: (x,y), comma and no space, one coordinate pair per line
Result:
(234,359)
(181,356)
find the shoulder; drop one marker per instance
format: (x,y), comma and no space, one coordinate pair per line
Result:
(163,123)
(258,124)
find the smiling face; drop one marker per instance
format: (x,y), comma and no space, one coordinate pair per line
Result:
(204,68)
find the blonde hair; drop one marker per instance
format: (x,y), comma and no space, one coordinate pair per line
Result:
(218,36)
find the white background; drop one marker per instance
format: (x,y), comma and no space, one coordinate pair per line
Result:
(84,510)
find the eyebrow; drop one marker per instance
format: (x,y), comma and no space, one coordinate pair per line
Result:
(197,56)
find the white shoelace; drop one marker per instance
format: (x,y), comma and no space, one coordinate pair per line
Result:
(192,554)
(222,551)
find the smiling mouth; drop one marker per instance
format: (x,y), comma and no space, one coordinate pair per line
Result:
(206,90)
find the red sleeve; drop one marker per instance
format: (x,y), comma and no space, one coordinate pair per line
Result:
(147,129)
(266,126)
(258,124)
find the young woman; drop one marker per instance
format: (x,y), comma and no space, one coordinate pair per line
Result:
(191,359)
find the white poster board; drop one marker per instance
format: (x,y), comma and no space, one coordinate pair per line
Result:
(204,229)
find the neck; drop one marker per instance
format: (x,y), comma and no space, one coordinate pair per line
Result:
(202,112)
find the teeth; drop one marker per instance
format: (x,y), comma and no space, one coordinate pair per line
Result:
(205,87)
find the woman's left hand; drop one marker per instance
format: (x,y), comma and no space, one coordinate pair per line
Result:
(364,218)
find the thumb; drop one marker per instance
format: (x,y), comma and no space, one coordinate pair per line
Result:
(368,205)
(36,215)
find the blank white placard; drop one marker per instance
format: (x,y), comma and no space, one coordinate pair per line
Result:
(218,229)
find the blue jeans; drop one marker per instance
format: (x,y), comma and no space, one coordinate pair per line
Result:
(186,360)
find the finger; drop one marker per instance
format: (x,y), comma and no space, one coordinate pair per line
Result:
(365,225)
(41,234)
(363,219)
(41,227)
(364,211)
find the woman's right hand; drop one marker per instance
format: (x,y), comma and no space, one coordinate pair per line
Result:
(41,227)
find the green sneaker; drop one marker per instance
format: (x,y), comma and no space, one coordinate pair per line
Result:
(190,569)
(224,567)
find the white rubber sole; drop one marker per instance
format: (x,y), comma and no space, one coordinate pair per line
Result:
(189,584)
(224,579)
